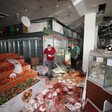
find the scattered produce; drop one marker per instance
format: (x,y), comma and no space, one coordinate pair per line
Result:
(11,67)
(12,92)
(9,79)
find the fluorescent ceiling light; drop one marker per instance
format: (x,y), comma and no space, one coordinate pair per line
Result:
(3,14)
(76,2)
(57,5)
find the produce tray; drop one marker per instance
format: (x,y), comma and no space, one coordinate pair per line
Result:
(18,81)
(6,56)
(6,63)
(7,73)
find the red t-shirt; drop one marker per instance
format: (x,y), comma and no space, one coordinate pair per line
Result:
(48,53)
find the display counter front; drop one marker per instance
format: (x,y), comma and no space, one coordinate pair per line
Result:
(97,94)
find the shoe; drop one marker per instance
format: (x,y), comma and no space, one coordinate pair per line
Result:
(49,78)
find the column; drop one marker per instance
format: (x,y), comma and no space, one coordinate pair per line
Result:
(89,38)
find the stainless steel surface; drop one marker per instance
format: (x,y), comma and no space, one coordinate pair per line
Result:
(18,47)
(13,44)
(35,48)
(5,47)
(1,47)
(29,48)
(9,47)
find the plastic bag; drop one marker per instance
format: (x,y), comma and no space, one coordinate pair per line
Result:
(18,67)
(42,69)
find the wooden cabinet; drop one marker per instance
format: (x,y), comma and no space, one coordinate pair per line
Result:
(97,94)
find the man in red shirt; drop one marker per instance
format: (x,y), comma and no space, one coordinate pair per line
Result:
(50,52)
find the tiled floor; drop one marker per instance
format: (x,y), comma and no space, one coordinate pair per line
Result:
(55,79)
(65,99)
(76,80)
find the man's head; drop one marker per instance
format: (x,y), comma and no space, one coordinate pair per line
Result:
(72,45)
(49,46)
(76,44)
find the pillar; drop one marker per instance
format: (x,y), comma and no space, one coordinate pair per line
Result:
(89,38)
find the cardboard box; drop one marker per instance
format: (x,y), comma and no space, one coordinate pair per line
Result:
(34,61)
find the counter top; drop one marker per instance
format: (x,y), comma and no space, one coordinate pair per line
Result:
(101,53)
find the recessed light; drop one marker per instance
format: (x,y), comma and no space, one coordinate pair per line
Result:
(57,5)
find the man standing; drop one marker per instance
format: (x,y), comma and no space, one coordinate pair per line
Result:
(74,56)
(50,52)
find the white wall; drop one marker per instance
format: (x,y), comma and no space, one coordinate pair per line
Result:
(96,36)
(89,38)
(57,27)
(37,27)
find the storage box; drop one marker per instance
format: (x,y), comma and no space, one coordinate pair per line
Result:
(42,70)
(35,61)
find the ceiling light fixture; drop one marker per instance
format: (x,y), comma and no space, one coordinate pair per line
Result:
(25,20)
(76,2)
(57,5)
(2,16)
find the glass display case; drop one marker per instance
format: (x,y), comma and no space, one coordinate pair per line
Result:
(100,68)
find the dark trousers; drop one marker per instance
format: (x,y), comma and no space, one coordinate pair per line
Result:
(73,63)
(50,66)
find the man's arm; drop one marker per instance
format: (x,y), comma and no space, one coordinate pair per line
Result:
(76,54)
(54,54)
(44,55)
(44,58)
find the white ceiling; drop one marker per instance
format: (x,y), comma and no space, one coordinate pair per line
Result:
(66,12)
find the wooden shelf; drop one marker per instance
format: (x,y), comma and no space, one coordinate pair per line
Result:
(6,74)
(18,81)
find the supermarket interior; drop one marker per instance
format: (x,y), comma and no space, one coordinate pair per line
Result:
(56,56)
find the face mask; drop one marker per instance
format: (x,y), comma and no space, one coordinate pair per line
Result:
(48,49)
(72,47)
